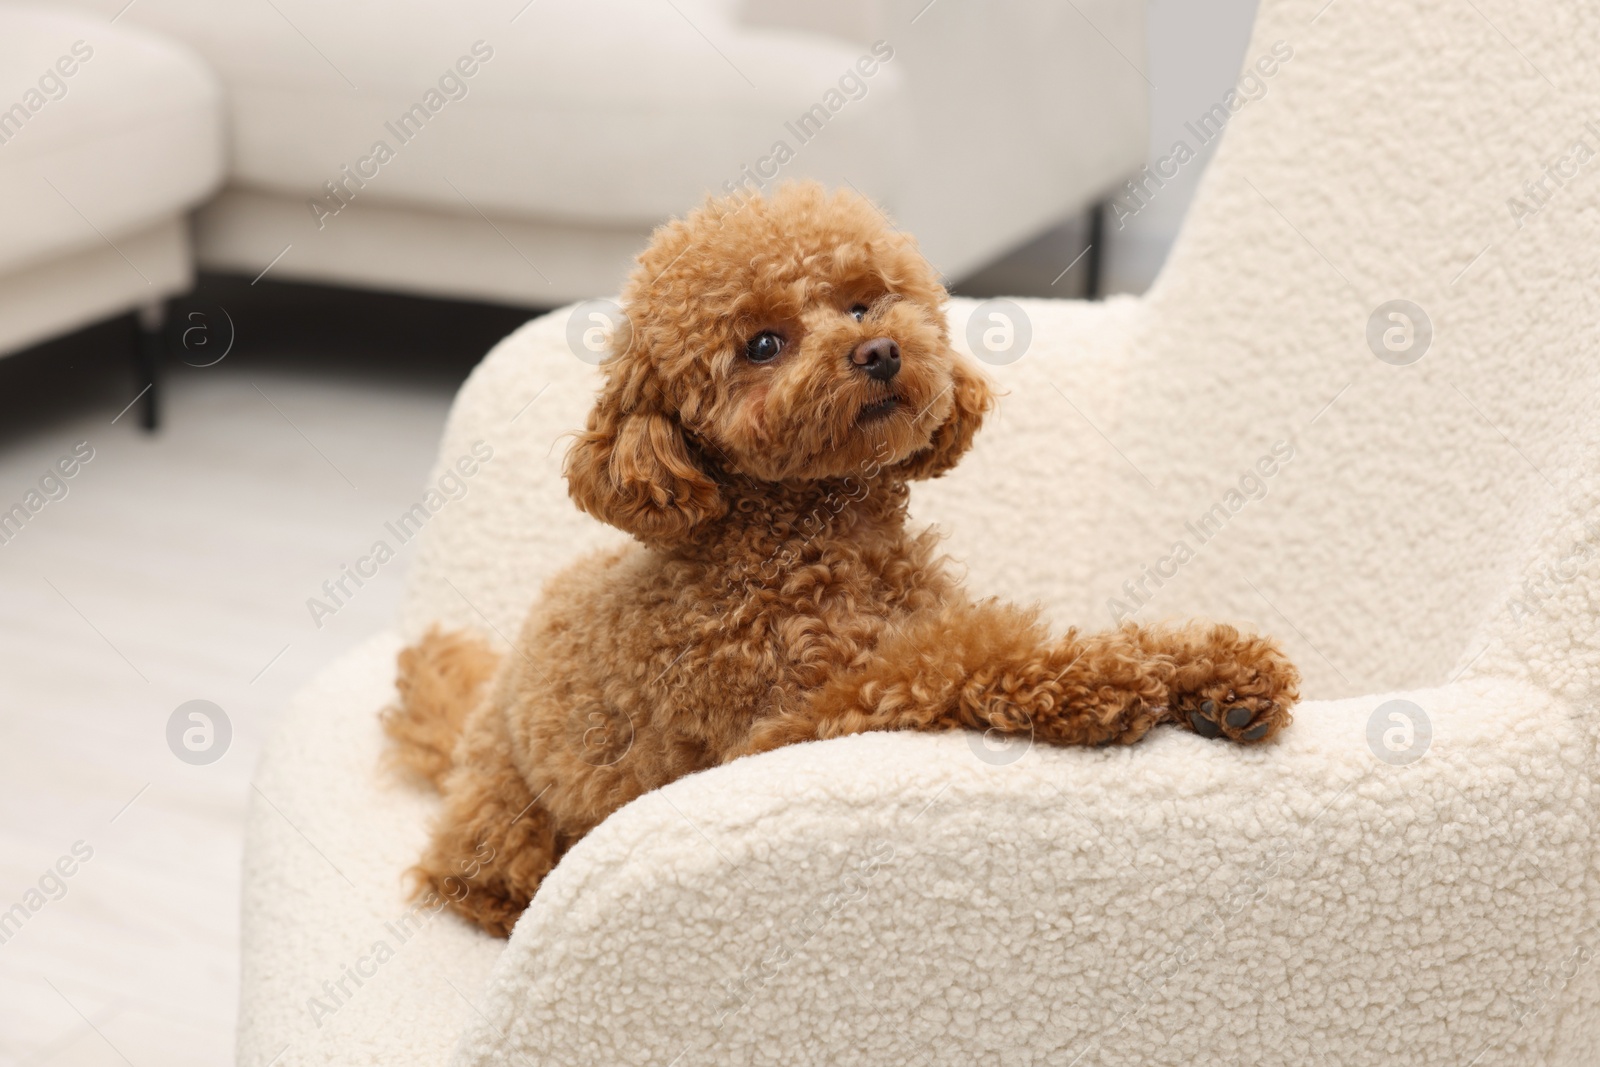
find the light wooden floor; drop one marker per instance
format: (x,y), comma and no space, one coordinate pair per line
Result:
(177,567)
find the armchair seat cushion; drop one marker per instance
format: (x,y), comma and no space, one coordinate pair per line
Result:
(339,966)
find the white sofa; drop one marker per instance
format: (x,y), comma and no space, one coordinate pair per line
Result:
(535,178)
(1390,883)
(109,135)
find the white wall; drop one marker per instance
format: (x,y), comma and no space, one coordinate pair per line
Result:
(1196,48)
(1195,51)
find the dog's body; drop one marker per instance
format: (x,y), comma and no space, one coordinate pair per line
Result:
(777,595)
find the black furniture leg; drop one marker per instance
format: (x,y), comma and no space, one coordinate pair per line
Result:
(149,350)
(1094,261)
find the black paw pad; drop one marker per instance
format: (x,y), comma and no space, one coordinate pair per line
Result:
(1239,716)
(1255,733)
(1202,725)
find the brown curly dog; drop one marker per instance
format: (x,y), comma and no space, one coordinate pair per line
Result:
(788,373)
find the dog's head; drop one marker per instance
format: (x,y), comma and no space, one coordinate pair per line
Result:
(786,339)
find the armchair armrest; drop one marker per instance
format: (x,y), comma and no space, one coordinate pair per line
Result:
(889,897)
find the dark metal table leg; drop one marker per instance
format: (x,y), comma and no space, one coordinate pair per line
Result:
(149,351)
(1095,260)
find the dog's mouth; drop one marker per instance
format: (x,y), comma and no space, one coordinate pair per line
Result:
(877,411)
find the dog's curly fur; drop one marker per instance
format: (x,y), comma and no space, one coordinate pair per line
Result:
(776,595)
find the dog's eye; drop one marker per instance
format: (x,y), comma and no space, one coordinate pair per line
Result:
(763,347)
(858,312)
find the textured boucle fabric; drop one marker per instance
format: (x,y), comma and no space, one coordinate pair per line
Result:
(1389,883)
(329,838)
(886,900)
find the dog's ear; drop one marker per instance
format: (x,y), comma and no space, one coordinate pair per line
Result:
(972,397)
(635,470)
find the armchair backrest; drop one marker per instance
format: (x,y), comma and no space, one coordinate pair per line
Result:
(1389,268)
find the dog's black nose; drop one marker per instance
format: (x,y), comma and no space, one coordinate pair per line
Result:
(879,357)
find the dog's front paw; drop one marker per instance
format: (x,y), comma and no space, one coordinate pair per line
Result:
(1244,719)
(1240,688)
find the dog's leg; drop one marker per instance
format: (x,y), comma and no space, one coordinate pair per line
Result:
(1226,683)
(988,667)
(493,843)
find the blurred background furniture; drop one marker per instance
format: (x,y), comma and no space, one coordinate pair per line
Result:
(536,178)
(108,137)
(1408,875)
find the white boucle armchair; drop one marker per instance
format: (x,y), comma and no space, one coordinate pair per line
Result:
(1411,503)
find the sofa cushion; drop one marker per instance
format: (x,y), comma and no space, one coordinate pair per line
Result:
(104,130)
(554,111)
